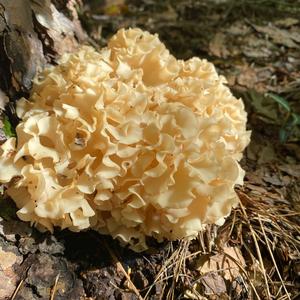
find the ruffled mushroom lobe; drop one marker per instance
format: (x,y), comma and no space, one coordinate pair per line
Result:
(128,141)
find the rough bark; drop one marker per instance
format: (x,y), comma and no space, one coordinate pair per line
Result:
(32,33)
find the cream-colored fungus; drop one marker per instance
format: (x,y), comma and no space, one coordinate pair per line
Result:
(129,141)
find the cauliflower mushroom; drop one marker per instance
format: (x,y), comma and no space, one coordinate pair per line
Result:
(128,141)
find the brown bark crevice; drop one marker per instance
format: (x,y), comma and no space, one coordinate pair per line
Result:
(32,34)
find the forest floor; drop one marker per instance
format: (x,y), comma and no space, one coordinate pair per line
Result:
(256,253)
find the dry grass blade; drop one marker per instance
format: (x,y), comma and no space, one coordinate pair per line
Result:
(270,237)
(296,296)
(257,250)
(17,290)
(163,271)
(179,266)
(173,268)
(245,273)
(273,259)
(54,289)
(121,268)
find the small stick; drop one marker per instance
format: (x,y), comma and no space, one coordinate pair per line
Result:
(54,289)
(17,290)
(120,266)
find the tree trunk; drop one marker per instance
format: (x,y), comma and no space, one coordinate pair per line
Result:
(32,33)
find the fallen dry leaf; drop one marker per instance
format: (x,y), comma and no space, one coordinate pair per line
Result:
(218,46)
(247,77)
(238,28)
(287,22)
(273,179)
(226,263)
(267,154)
(262,153)
(258,189)
(213,284)
(257,48)
(293,170)
(279,36)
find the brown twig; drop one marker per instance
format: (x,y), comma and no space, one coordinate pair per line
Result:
(17,290)
(120,267)
(54,289)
